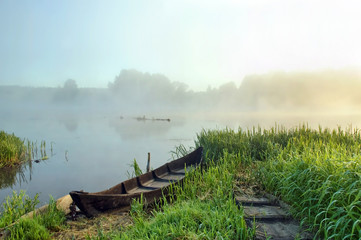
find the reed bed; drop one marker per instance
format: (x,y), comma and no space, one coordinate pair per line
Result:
(12,150)
(15,151)
(317,171)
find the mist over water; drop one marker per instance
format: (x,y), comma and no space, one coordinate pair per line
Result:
(134,92)
(96,133)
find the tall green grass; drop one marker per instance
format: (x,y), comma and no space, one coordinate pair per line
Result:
(204,208)
(12,150)
(252,145)
(320,175)
(317,171)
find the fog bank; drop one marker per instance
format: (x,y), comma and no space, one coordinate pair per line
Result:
(133,92)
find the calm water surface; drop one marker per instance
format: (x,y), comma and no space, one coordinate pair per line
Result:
(92,152)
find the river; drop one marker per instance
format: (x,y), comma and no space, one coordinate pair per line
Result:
(93,151)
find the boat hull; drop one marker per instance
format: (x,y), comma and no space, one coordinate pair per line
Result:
(151,186)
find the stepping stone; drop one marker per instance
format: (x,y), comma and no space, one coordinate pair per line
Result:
(266,212)
(279,230)
(248,200)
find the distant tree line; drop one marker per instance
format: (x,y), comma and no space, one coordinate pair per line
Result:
(307,91)
(137,87)
(331,90)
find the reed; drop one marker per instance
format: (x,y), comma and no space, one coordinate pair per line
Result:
(136,169)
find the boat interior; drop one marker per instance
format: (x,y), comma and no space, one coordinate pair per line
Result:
(153,180)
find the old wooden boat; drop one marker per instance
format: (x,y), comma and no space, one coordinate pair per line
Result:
(152,185)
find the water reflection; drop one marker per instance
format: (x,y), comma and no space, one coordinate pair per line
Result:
(70,123)
(10,177)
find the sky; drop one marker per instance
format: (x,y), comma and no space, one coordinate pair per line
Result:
(199,42)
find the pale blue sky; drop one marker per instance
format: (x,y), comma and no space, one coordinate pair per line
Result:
(201,43)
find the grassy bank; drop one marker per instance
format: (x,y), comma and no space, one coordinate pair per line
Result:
(318,172)
(203,209)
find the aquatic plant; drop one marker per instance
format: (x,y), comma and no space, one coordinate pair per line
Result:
(36,153)
(179,151)
(136,169)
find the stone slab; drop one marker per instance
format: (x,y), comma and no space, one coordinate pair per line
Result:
(265,212)
(280,230)
(249,200)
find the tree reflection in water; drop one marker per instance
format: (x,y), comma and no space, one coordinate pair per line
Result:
(15,175)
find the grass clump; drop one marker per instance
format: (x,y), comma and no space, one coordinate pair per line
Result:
(27,228)
(39,226)
(16,206)
(136,169)
(251,145)
(191,219)
(53,218)
(12,150)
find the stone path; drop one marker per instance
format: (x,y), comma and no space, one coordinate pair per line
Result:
(270,218)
